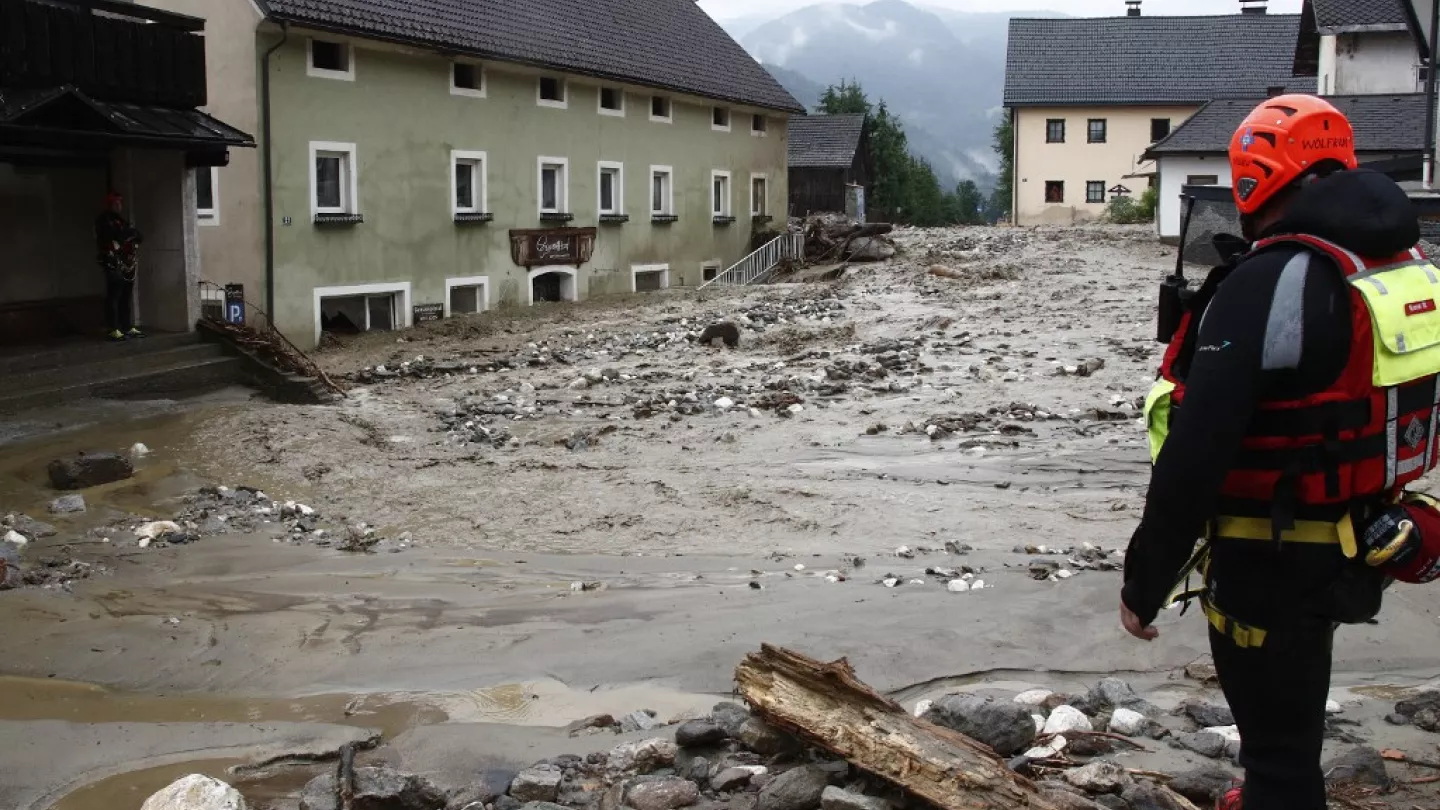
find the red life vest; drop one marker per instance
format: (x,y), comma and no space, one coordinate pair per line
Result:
(1352,442)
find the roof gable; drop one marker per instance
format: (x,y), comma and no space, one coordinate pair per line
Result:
(1383,123)
(1348,16)
(667,44)
(824,141)
(1149,60)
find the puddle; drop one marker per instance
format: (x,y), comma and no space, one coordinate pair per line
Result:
(131,789)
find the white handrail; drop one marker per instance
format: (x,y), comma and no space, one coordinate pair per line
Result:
(751,268)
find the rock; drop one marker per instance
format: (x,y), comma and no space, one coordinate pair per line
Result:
(1204,743)
(1004,726)
(539,783)
(1360,765)
(1066,719)
(796,789)
(376,789)
(15,538)
(196,792)
(729,716)
(1033,697)
(1063,797)
(491,785)
(1145,796)
(1333,707)
(1099,777)
(1128,722)
(641,757)
(724,403)
(1411,706)
(1207,714)
(661,793)
(698,771)
(1113,693)
(528,805)
(67,504)
(1202,670)
(760,737)
(834,798)
(157,528)
(1049,749)
(957,586)
(1202,785)
(638,721)
(139,450)
(870,249)
(731,779)
(89,470)
(28,526)
(1427,720)
(696,733)
(508,802)
(578,384)
(724,331)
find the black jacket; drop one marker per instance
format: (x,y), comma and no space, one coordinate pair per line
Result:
(111,228)
(1227,375)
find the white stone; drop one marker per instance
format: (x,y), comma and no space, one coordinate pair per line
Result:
(139,450)
(1050,749)
(196,792)
(691,396)
(1230,733)
(578,383)
(1333,707)
(957,586)
(891,582)
(923,706)
(1128,722)
(1064,573)
(796,408)
(904,551)
(1033,697)
(144,542)
(304,510)
(157,528)
(978,585)
(1039,722)
(1099,777)
(917,582)
(16,538)
(799,567)
(724,403)
(1067,718)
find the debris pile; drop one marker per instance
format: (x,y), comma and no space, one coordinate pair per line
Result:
(837,238)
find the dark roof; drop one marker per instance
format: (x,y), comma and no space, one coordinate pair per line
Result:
(1345,16)
(824,141)
(1383,123)
(1149,60)
(668,44)
(37,111)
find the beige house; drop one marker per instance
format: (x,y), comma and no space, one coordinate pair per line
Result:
(1088,96)
(441,157)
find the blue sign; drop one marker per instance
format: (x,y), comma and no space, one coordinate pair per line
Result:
(235,304)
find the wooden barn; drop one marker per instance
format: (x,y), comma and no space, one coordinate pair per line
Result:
(826,154)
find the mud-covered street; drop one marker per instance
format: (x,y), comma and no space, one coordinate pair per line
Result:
(525,518)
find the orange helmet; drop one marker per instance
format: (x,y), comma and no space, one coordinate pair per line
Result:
(1281,140)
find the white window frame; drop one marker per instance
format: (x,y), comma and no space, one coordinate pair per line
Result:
(619,208)
(729,119)
(727,202)
(765,211)
(760,133)
(208,217)
(483,282)
(669,108)
(399,288)
(669,210)
(662,269)
(346,75)
(600,97)
(563,103)
(466,91)
(562,189)
(350,185)
(540,271)
(482,184)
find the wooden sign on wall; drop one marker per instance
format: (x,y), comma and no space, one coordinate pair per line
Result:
(541,246)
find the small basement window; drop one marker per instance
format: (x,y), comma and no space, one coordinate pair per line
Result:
(330,59)
(358,313)
(650,277)
(1054,191)
(467,299)
(552,92)
(709,271)
(612,101)
(467,79)
(660,108)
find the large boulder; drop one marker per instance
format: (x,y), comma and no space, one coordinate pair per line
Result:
(1207,714)
(375,789)
(1099,777)
(540,783)
(1005,726)
(1145,796)
(89,470)
(698,733)
(1360,765)
(729,716)
(762,738)
(1113,693)
(195,792)
(796,789)
(661,793)
(1202,785)
(641,757)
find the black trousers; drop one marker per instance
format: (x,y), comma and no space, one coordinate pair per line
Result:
(118,294)
(1277,691)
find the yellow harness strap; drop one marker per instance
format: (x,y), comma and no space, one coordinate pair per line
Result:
(1245,636)
(1305,531)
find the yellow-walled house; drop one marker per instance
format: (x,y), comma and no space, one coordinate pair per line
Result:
(1090,95)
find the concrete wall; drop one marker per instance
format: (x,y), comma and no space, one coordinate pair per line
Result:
(1357,64)
(231,247)
(1174,172)
(159,198)
(47,228)
(1077,161)
(404,122)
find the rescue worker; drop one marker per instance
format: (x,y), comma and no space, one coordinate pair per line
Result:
(115,242)
(1297,398)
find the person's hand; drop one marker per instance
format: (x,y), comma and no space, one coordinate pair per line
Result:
(1132,625)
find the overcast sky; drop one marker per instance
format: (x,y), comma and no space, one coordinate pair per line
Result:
(726,9)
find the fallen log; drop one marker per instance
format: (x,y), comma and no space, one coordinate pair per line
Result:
(827,706)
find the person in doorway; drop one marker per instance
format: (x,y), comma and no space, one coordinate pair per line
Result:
(1287,417)
(116,241)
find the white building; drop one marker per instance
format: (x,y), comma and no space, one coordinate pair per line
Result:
(1356,47)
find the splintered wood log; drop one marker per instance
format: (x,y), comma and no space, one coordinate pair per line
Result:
(827,706)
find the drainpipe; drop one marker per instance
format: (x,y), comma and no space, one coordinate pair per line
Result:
(266,194)
(1429,179)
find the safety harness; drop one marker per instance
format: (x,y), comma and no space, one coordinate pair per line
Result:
(1308,468)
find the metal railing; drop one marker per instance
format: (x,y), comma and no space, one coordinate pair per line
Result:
(259,335)
(752,268)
